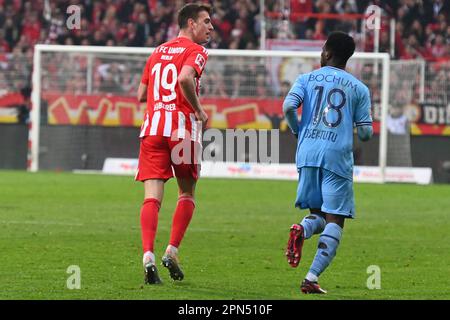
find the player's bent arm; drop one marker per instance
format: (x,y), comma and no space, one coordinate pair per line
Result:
(365,132)
(290,106)
(142,92)
(186,80)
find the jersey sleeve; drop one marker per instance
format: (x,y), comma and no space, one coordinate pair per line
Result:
(363,115)
(197,59)
(292,101)
(295,96)
(146,72)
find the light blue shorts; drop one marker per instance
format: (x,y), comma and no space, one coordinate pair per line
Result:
(321,188)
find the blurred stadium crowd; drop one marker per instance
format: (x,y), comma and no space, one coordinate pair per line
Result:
(422,31)
(422,28)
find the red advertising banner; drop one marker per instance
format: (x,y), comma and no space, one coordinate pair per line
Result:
(245,113)
(126,111)
(11,99)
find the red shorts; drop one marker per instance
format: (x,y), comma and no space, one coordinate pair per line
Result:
(159,155)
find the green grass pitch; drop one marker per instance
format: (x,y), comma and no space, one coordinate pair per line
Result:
(234,248)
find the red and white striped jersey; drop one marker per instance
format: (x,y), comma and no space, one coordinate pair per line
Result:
(168,111)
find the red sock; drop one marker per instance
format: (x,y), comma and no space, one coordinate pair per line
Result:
(149,222)
(181,218)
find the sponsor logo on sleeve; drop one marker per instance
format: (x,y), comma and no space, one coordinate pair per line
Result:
(200,61)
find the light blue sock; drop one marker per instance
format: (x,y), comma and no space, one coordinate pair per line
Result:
(328,243)
(312,224)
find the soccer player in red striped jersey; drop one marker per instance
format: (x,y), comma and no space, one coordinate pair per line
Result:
(175,117)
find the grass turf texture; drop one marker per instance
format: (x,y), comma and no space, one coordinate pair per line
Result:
(234,248)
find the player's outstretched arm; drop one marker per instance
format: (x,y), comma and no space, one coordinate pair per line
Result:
(186,79)
(365,132)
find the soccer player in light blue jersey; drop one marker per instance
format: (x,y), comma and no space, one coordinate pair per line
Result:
(333,103)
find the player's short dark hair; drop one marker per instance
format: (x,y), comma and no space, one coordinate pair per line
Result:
(341,45)
(191,11)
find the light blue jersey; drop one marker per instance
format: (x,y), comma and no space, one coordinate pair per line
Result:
(333,102)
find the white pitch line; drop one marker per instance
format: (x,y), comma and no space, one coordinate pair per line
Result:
(41,223)
(115,227)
